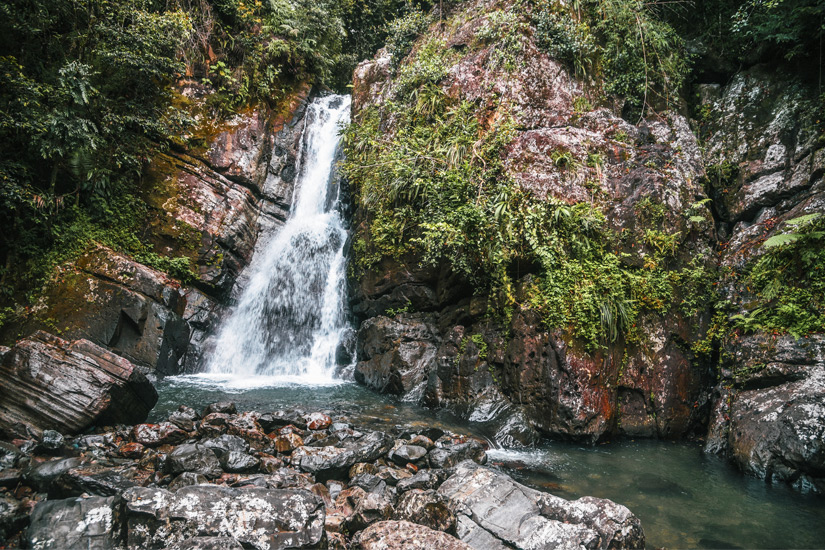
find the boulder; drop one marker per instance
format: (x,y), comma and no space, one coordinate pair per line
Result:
(239,462)
(494,511)
(76,524)
(47,383)
(396,354)
(195,458)
(372,508)
(13,516)
(334,462)
(258,518)
(40,476)
(407,453)
(404,535)
(155,435)
(97,481)
(426,508)
(449,456)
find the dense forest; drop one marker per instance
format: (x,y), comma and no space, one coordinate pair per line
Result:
(89,94)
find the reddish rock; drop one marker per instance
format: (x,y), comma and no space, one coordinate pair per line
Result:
(318,421)
(47,383)
(404,535)
(287,443)
(131,450)
(155,435)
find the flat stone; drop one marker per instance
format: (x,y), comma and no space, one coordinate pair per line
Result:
(404,535)
(75,524)
(257,518)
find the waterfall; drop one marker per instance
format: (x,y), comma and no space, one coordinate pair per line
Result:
(290,315)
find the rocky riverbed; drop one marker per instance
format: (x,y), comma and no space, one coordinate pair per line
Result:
(220,479)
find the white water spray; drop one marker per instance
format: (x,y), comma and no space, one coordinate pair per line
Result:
(290,316)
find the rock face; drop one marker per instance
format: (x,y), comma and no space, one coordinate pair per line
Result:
(525,378)
(206,205)
(47,383)
(770,413)
(767,408)
(191,496)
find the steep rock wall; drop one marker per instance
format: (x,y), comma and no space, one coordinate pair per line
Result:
(528,378)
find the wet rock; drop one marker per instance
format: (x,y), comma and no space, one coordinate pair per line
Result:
(257,518)
(393,475)
(42,475)
(187,478)
(362,468)
(75,524)
(772,422)
(396,353)
(213,425)
(370,509)
(155,435)
(9,455)
(424,479)
(426,508)
(368,482)
(47,383)
(222,407)
(287,443)
(493,510)
(318,421)
(131,450)
(615,524)
(404,535)
(449,456)
(279,419)
(423,441)
(51,443)
(10,477)
(334,462)
(407,453)
(184,418)
(239,462)
(226,443)
(13,516)
(89,481)
(195,458)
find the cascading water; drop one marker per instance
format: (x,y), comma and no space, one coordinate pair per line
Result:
(290,316)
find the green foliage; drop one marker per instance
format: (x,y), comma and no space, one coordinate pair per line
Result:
(793,27)
(402,34)
(788,281)
(370,24)
(434,188)
(638,55)
(505,31)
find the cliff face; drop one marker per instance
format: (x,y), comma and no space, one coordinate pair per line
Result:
(205,203)
(716,188)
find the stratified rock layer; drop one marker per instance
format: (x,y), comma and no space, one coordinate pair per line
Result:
(47,383)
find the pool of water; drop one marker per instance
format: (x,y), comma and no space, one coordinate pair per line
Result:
(684,497)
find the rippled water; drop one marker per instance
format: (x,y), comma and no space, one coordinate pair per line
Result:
(684,497)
